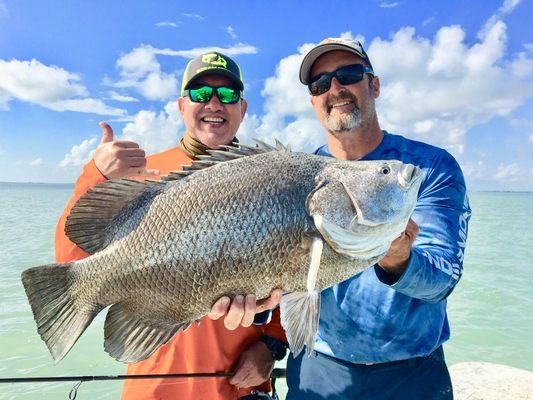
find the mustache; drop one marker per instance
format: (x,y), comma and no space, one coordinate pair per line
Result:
(342,96)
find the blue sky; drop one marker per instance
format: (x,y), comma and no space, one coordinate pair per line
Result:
(455,74)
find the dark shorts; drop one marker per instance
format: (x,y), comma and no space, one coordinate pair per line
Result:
(324,377)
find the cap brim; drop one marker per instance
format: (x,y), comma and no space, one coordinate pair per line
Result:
(217,71)
(312,56)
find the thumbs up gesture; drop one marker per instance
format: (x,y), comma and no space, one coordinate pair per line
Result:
(120,158)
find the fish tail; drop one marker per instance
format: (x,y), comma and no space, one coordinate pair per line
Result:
(61,317)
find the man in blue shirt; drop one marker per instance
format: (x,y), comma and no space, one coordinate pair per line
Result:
(381,332)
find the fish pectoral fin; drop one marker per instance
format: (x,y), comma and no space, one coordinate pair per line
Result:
(299,313)
(131,336)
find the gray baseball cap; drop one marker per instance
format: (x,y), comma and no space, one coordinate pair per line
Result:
(212,63)
(329,44)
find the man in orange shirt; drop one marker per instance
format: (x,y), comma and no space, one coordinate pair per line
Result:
(212,108)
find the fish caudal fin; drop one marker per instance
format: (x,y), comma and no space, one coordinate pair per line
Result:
(131,336)
(60,318)
(300,311)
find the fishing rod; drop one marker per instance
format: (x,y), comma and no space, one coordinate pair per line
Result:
(276,373)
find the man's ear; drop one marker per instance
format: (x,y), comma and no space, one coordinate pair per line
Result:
(376,87)
(181,105)
(244,106)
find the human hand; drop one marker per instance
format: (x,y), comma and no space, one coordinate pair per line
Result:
(241,311)
(254,366)
(397,258)
(120,158)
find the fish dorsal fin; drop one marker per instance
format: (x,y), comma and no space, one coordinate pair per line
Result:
(227,153)
(93,212)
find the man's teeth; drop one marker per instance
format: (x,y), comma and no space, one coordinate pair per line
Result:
(342,103)
(212,119)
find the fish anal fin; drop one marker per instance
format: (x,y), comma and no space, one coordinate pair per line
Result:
(131,336)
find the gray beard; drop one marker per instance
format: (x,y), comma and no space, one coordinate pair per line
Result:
(344,122)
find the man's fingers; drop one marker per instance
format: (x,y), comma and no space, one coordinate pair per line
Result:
(241,374)
(126,144)
(270,302)
(249,310)
(107,132)
(235,313)
(411,230)
(219,308)
(134,152)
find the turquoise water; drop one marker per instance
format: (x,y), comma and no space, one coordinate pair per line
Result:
(490,311)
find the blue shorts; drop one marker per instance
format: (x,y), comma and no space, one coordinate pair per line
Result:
(324,377)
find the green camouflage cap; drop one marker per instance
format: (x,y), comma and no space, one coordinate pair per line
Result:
(212,63)
(329,44)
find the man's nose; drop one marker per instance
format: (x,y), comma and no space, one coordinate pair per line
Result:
(335,85)
(214,104)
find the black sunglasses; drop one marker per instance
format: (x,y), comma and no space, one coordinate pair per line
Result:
(203,94)
(346,75)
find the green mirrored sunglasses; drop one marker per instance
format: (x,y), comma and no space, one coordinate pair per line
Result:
(203,94)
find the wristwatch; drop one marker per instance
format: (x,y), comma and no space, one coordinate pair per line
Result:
(276,347)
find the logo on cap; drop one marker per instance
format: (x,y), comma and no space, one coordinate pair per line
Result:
(214,59)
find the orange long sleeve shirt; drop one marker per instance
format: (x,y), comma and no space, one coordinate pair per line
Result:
(207,347)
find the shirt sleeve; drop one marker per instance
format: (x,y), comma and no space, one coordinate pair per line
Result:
(442,213)
(65,250)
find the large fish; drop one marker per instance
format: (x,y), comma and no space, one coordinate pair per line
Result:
(245,220)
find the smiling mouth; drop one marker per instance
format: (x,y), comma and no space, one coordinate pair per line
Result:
(213,120)
(340,104)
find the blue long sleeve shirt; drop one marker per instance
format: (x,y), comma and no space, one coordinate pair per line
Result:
(373,318)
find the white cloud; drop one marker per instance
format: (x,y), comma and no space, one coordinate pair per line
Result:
(119,97)
(49,86)
(231,32)
(431,90)
(508,173)
(140,70)
(193,16)
(166,24)
(155,131)
(235,50)
(86,106)
(80,153)
(506,8)
(37,161)
(531,138)
(522,66)
(389,5)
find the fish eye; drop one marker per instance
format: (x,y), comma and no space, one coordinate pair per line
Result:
(385,170)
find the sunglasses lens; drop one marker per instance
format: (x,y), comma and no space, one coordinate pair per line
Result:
(201,95)
(320,85)
(228,95)
(350,74)
(346,75)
